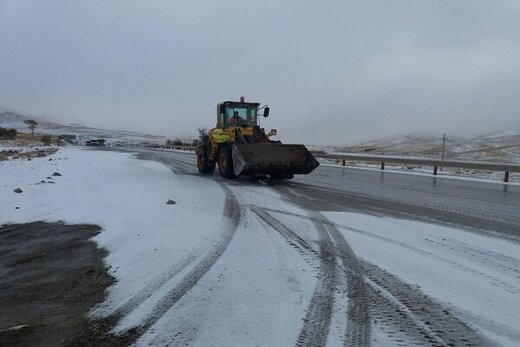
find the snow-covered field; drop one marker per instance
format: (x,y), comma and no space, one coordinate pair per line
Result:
(16,121)
(493,147)
(236,265)
(496,148)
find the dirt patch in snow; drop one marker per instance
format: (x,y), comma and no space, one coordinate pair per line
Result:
(51,275)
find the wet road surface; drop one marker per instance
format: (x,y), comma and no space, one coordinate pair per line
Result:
(486,206)
(376,297)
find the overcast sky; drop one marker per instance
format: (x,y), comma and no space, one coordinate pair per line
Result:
(333,72)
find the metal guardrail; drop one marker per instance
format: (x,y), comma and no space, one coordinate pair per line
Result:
(179,148)
(476,165)
(503,167)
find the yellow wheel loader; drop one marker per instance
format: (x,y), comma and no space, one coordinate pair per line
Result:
(240,147)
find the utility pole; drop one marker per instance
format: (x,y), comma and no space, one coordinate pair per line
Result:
(443,146)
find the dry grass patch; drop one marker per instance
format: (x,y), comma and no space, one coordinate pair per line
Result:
(27,146)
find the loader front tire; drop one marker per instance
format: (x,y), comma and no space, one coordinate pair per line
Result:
(225,162)
(202,161)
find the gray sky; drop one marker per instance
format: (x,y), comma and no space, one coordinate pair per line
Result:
(333,72)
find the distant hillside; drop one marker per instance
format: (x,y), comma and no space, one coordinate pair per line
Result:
(499,147)
(16,121)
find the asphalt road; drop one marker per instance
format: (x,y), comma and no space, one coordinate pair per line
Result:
(477,205)
(382,308)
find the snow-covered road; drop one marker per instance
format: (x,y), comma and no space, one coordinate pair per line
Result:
(247,263)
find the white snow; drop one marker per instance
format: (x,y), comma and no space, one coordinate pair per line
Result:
(256,294)
(258,279)
(6,146)
(475,275)
(16,121)
(127,198)
(258,291)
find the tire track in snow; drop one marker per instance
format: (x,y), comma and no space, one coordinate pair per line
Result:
(506,264)
(152,287)
(415,314)
(492,279)
(317,320)
(319,313)
(485,252)
(395,303)
(358,332)
(290,236)
(100,332)
(143,294)
(358,326)
(147,291)
(232,212)
(405,310)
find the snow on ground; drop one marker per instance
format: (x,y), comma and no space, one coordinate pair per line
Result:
(259,288)
(258,279)
(475,275)
(257,292)
(6,146)
(126,197)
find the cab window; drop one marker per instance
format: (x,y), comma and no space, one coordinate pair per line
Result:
(246,114)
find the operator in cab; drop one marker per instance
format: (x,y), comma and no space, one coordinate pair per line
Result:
(236,120)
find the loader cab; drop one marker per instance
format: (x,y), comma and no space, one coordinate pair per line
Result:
(232,113)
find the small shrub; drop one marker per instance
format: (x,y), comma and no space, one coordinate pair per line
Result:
(47,140)
(8,133)
(11,134)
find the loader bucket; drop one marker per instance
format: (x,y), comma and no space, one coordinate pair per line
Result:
(271,158)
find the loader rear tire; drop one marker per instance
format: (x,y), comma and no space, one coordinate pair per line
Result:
(225,162)
(202,161)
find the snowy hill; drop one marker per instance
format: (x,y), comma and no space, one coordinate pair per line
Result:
(498,147)
(494,147)
(16,121)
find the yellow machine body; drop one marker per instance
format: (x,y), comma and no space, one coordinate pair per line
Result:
(240,147)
